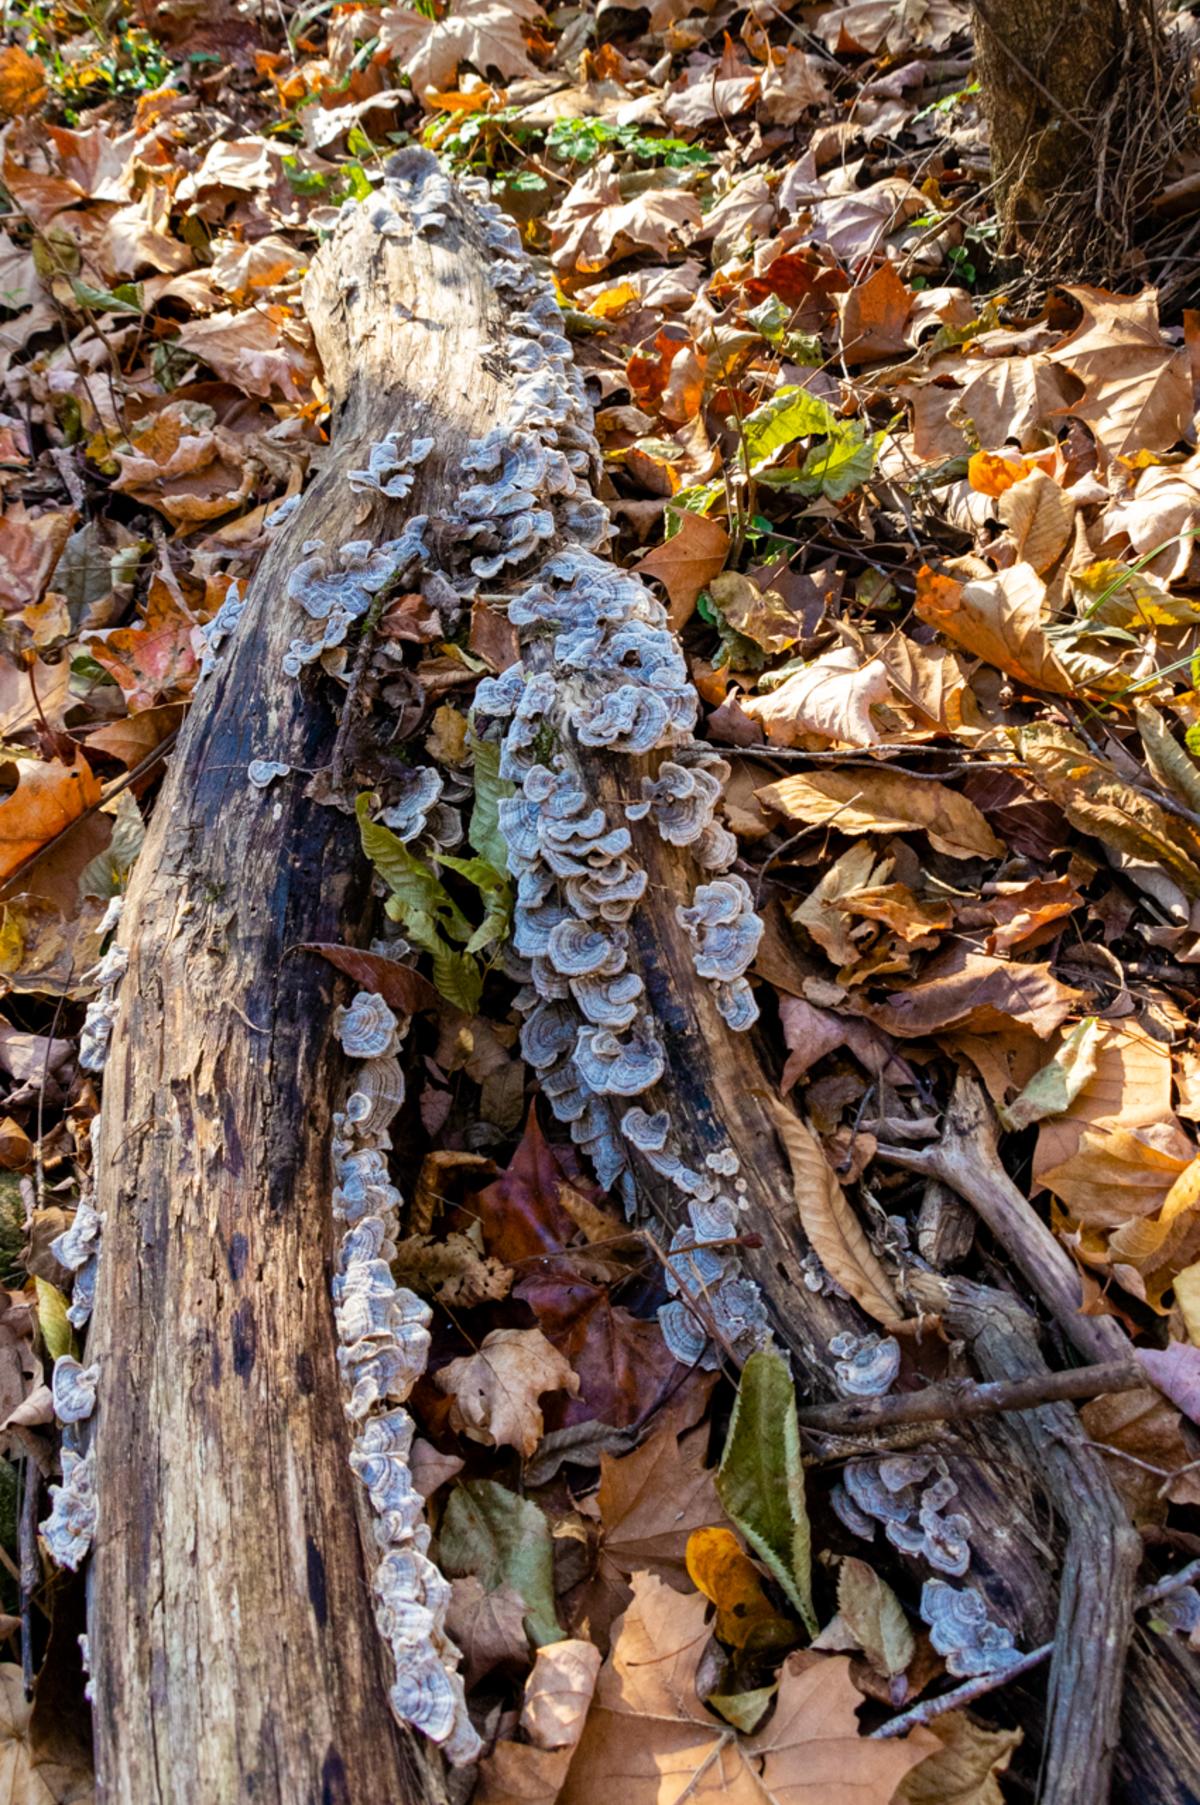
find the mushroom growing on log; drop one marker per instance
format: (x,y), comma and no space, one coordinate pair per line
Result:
(231,1629)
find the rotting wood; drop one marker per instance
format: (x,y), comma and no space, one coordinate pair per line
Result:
(958,1400)
(1092,1641)
(234,1649)
(231,1475)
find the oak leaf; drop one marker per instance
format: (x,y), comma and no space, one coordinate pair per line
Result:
(496,1390)
(863,802)
(833,1229)
(649,1738)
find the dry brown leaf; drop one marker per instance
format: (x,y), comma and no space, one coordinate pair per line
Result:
(30,547)
(818,913)
(24,1779)
(48,797)
(1117,1175)
(999,618)
(874,317)
(758,614)
(1145,1425)
(1138,388)
(453,1271)
(1007,398)
(1097,801)
(964,1770)
(261,350)
(964,989)
(829,700)
(650,1501)
(429,1194)
(596,224)
(809,1033)
(1130,1087)
(790,86)
(1040,518)
(485,33)
(884,801)
(649,1738)
(851,224)
(558,1693)
(833,1229)
(686,563)
(489,1627)
(496,1390)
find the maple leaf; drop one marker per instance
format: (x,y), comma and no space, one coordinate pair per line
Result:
(30,547)
(687,561)
(649,1735)
(485,33)
(496,1390)
(521,1212)
(596,224)
(153,660)
(23,85)
(650,1501)
(1137,387)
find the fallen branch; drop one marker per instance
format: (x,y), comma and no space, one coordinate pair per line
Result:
(957,1400)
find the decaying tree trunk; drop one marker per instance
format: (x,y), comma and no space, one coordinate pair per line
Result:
(232,1641)
(231,1629)
(1077,101)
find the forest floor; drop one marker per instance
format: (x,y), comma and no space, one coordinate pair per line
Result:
(930,551)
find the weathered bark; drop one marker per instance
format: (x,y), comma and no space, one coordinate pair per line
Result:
(231,1628)
(1080,105)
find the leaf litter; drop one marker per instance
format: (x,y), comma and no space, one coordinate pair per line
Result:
(933,564)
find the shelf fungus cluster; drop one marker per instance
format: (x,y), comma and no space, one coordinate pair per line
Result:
(383,1336)
(70,1528)
(601,673)
(336,587)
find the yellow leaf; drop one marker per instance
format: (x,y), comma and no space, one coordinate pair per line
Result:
(47,799)
(717,1567)
(22,82)
(612,301)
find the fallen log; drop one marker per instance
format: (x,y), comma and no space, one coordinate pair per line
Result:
(231,1632)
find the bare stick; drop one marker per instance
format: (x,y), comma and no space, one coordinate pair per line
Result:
(966,1159)
(958,1399)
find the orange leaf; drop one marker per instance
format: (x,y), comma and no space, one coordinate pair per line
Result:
(687,562)
(48,797)
(22,82)
(717,1567)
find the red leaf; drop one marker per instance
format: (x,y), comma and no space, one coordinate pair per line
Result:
(520,1212)
(398,985)
(624,1365)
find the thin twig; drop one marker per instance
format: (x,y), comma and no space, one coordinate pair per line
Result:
(959,1399)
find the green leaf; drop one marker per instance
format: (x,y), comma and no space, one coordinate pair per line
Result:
(52,1319)
(416,888)
(843,463)
(505,1540)
(744,1710)
(490,790)
(458,977)
(791,413)
(103,300)
(760,1480)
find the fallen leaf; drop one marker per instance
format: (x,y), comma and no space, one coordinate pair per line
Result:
(496,1390)
(809,1033)
(621,1361)
(761,1480)
(1040,519)
(484,33)
(829,699)
(875,1617)
(965,1770)
(862,802)
(30,547)
(1000,619)
(818,913)
(47,799)
(760,615)
(1175,1370)
(401,987)
(452,1270)
(965,989)
(595,225)
(489,1628)
(1137,387)
(1055,1087)
(650,1501)
(558,1693)
(874,316)
(503,1540)
(649,1736)
(25,1779)
(686,563)
(1098,801)
(833,1230)
(718,1567)
(23,86)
